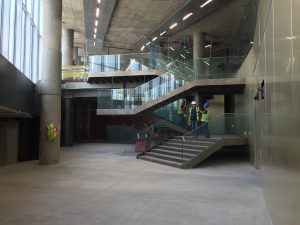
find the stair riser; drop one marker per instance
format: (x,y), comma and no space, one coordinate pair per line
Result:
(189,151)
(180,149)
(199,147)
(199,139)
(190,142)
(176,154)
(162,163)
(165,157)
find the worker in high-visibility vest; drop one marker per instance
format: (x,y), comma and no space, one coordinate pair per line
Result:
(205,118)
(194,117)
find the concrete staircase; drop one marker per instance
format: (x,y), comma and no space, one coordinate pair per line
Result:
(189,153)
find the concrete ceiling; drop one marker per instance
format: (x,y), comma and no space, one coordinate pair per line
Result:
(125,25)
(73,18)
(132,20)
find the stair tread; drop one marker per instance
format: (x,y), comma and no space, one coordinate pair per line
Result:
(172,152)
(189,151)
(161,161)
(174,147)
(164,155)
(193,141)
(187,144)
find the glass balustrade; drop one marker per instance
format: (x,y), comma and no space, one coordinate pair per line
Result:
(176,74)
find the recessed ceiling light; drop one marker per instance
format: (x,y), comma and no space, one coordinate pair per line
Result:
(182,56)
(206,62)
(142,48)
(251,42)
(97,12)
(161,34)
(99,1)
(187,16)
(169,64)
(154,39)
(95,30)
(172,48)
(94,36)
(148,43)
(207,46)
(94,43)
(96,23)
(173,25)
(205,3)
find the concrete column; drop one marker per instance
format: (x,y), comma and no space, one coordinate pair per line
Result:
(67,46)
(198,53)
(50,80)
(67,134)
(76,58)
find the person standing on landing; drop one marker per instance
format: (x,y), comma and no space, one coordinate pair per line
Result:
(194,117)
(205,118)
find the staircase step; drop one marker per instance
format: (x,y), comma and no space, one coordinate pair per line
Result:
(188,151)
(160,161)
(167,157)
(192,141)
(188,145)
(172,153)
(179,148)
(191,138)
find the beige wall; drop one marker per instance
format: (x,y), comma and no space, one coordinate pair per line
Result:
(274,123)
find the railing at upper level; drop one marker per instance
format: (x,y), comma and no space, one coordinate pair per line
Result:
(75,72)
(176,74)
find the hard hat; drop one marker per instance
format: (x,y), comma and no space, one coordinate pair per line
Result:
(194,103)
(206,105)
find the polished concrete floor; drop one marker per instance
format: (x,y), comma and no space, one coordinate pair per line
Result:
(103,184)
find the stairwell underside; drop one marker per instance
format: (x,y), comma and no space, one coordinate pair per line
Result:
(205,86)
(229,140)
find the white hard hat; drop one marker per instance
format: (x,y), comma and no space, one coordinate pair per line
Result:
(194,103)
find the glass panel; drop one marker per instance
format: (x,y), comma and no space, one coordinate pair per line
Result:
(1,25)
(19,36)
(28,49)
(35,55)
(5,28)
(12,30)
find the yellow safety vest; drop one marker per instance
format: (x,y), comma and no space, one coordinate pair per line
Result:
(205,116)
(197,113)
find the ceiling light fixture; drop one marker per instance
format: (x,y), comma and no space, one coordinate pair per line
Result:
(207,46)
(154,39)
(94,36)
(95,30)
(142,48)
(173,25)
(99,1)
(187,16)
(182,56)
(205,3)
(94,43)
(161,34)
(148,43)
(172,48)
(97,12)
(96,23)
(169,64)
(206,62)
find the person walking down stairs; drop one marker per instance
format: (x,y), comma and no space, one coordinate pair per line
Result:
(205,118)
(194,117)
